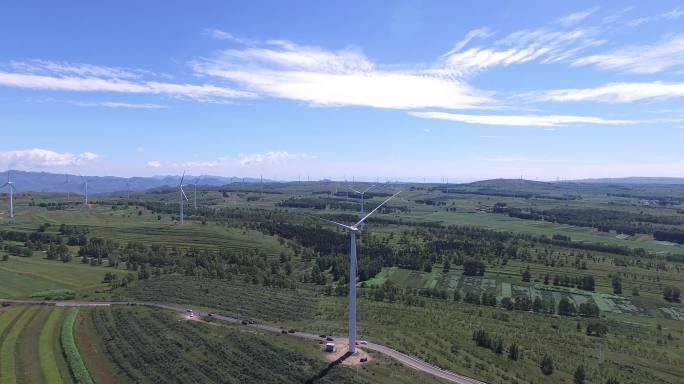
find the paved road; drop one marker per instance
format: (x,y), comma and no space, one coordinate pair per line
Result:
(403,358)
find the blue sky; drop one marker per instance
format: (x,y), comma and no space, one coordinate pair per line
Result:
(401,90)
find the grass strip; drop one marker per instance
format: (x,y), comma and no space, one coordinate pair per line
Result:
(73,357)
(48,360)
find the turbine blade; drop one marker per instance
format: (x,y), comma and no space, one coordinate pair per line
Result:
(333,222)
(376,208)
(183,192)
(182,178)
(369,188)
(4,185)
(353,190)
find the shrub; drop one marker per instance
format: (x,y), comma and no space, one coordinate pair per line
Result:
(55,294)
(546,364)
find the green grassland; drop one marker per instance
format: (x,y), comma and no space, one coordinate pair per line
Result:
(24,276)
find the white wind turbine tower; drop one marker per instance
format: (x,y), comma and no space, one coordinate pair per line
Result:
(128,192)
(363,194)
(10,191)
(85,190)
(181,195)
(353,230)
(194,198)
(68,189)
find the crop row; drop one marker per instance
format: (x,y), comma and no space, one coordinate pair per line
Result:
(235,296)
(73,357)
(153,346)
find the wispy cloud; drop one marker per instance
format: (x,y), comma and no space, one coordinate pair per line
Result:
(46,67)
(247,160)
(482,33)
(544,45)
(223,35)
(272,157)
(650,58)
(38,157)
(337,78)
(61,77)
(576,17)
(107,104)
(154,164)
(613,92)
(522,120)
(671,15)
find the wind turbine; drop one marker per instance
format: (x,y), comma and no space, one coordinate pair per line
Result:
(353,230)
(85,190)
(181,195)
(128,192)
(194,198)
(363,194)
(67,188)
(10,191)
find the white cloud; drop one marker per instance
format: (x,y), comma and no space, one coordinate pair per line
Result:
(671,15)
(542,44)
(115,104)
(223,35)
(651,58)
(272,157)
(140,149)
(337,78)
(107,104)
(38,157)
(204,164)
(521,120)
(46,67)
(154,164)
(474,34)
(75,78)
(613,92)
(575,18)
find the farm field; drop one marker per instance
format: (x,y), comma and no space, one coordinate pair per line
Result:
(31,347)
(155,347)
(235,298)
(249,256)
(24,276)
(441,333)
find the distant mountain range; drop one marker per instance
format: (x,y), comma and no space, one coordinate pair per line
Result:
(634,180)
(59,182)
(55,182)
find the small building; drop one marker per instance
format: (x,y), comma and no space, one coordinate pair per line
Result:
(330,347)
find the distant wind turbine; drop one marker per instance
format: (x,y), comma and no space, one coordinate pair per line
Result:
(363,194)
(10,191)
(85,190)
(68,188)
(194,198)
(181,195)
(353,230)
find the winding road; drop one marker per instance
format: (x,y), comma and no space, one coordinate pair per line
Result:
(409,361)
